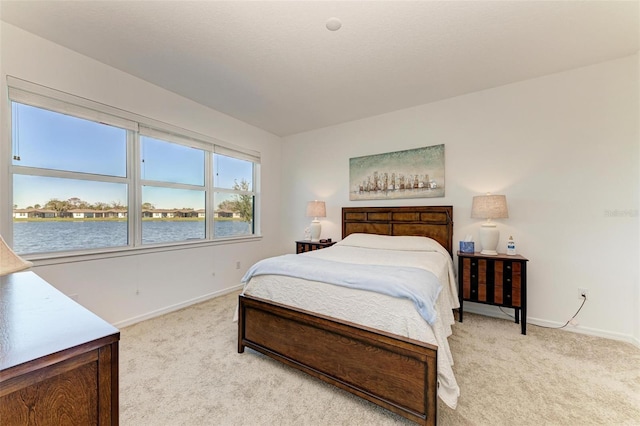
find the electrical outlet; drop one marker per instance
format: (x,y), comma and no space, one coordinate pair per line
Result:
(238,264)
(583,293)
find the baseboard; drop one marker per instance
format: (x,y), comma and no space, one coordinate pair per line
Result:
(493,311)
(166,310)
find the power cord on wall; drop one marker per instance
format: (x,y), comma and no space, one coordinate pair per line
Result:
(584,299)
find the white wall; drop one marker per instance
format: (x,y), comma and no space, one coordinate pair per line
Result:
(562,148)
(129,288)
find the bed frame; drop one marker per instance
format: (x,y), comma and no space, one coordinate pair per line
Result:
(395,372)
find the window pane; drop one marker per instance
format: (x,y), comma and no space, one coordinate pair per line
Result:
(51,140)
(232,173)
(233,215)
(171,162)
(170,215)
(56,214)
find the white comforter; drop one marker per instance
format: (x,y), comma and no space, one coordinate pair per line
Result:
(391,314)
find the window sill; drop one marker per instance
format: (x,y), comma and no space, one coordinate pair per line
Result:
(62,258)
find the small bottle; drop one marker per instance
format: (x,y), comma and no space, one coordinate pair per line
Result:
(511,246)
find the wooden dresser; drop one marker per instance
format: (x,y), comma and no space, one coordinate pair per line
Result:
(58,361)
(304,246)
(494,280)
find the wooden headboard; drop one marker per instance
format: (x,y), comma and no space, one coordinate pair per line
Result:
(427,221)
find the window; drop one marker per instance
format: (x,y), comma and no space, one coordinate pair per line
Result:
(173,191)
(234,196)
(50,140)
(69,182)
(61,217)
(87,177)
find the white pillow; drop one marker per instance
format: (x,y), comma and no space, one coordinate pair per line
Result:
(388,242)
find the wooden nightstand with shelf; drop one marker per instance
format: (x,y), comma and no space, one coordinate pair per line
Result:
(306,245)
(494,280)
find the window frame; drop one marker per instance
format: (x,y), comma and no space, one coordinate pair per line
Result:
(168,138)
(24,92)
(217,189)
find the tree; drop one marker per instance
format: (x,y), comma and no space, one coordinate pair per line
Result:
(57,205)
(147,206)
(75,202)
(244,202)
(228,205)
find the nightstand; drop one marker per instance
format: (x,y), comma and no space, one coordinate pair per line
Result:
(494,280)
(306,245)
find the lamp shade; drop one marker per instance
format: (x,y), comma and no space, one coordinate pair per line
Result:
(9,261)
(489,207)
(316,209)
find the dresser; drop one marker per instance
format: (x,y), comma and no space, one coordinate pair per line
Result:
(494,280)
(304,246)
(58,361)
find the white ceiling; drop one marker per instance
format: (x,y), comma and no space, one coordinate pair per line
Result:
(276,66)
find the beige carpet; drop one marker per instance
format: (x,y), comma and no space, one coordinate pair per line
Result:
(183,369)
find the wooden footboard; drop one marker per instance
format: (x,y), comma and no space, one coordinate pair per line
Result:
(394,372)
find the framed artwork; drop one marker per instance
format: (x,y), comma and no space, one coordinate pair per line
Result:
(414,173)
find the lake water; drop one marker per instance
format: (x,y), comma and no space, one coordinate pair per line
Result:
(49,236)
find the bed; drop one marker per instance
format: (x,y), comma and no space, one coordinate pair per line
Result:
(373,345)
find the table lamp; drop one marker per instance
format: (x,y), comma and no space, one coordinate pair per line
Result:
(489,207)
(316,209)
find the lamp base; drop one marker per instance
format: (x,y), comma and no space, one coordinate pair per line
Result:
(489,237)
(316,228)
(489,252)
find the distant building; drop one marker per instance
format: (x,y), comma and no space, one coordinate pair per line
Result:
(34,213)
(22,213)
(223,213)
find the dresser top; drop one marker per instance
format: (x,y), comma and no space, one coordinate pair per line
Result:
(499,256)
(37,320)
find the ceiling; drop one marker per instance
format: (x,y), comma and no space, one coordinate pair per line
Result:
(275,65)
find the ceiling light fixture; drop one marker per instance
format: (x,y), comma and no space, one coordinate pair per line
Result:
(334,24)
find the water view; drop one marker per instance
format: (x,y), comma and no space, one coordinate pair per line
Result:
(50,236)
